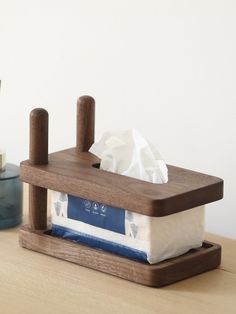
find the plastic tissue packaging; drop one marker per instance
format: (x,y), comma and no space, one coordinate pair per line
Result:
(117,230)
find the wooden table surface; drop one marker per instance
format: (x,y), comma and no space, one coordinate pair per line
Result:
(34,283)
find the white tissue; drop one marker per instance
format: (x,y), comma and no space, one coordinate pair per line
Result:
(128,153)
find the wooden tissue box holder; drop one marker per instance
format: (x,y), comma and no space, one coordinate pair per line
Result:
(74,171)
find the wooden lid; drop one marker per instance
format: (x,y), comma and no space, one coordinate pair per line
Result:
(72,172)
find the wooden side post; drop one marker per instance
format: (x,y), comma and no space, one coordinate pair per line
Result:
(38,156)
(85,123)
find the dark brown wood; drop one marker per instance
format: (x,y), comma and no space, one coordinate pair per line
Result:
(192,263)
(37,207)
(72,172)
(85,123)
(38,156)
(38,137)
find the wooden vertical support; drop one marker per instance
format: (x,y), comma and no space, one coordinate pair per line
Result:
(85,123)
(38,156)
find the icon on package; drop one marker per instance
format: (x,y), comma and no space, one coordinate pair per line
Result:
(87,203)
(95,206)
(103,208)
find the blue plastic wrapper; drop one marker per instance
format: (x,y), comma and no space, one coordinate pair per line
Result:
(99,243)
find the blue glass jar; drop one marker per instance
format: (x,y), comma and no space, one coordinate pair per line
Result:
(10,197)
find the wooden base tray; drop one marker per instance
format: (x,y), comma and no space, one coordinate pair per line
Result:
(192,263)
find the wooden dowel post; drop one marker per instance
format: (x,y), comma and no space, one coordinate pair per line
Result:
(85,123)
(38,156)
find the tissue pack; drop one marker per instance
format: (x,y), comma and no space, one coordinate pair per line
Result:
(121,231)
(136,236)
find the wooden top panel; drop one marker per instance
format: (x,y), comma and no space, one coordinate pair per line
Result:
(72,172)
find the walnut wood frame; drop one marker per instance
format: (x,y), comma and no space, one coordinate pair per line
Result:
(74,171)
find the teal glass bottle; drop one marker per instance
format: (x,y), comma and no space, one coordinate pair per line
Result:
(10,195)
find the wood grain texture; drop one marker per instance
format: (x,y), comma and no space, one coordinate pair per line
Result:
(164,273)
(37,283)
(72,172)
(38,137)
(37,207)
(85,123)
(38,156)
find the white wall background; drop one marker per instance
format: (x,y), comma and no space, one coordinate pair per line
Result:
(167,68)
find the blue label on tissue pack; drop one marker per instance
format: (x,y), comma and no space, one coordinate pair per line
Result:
(96,214)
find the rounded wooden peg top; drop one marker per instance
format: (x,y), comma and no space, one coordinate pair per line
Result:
(86,100)
(85,123)
(38,136)
(39,113)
